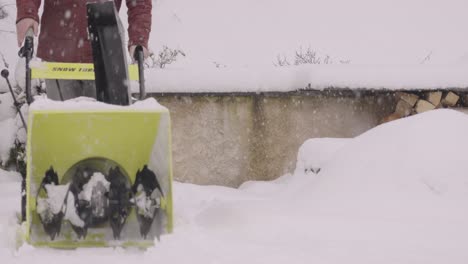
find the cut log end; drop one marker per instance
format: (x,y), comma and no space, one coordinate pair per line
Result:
(411,99)
(434,98)
(424,106)
(450,100)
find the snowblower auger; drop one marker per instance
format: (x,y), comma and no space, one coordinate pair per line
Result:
(98,174)
(148,196)
(51,216)
(120,197)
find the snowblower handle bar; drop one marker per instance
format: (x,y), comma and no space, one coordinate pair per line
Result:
(140,58)
(27,52)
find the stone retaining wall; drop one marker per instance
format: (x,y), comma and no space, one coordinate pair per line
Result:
(227,139)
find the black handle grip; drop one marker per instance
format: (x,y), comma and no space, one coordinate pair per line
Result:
(139,57)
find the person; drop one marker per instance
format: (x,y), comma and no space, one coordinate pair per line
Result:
(64,37)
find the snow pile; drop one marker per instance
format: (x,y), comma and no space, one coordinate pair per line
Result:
(316,152)
(420,158)
(395,194)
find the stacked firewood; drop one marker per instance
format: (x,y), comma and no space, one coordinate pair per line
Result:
(410,104)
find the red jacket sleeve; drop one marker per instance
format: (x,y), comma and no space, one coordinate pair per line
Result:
(27,9)
(139,21)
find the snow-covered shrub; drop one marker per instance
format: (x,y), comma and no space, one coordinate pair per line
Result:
(12,134)
(18,157)
(164,57)
(281,60)
(308,56)
(18,151)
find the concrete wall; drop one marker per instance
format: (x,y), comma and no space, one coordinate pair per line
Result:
(227,139)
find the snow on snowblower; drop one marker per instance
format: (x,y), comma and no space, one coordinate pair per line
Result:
(98,173)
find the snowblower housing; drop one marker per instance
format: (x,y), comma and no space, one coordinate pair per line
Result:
(113,174)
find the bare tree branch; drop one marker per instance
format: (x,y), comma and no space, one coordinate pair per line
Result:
(4,60)
(165,57)
(308,56)
(281,61)
(427,58)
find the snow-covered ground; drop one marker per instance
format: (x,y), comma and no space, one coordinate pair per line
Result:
(395,194)
(233,45)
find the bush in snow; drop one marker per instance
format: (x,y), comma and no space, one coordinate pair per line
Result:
(165,57)
(281,60)
(308,56)
(12,134)
(18,157)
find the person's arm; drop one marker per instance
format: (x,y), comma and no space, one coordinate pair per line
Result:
(139,24)
(27,17)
